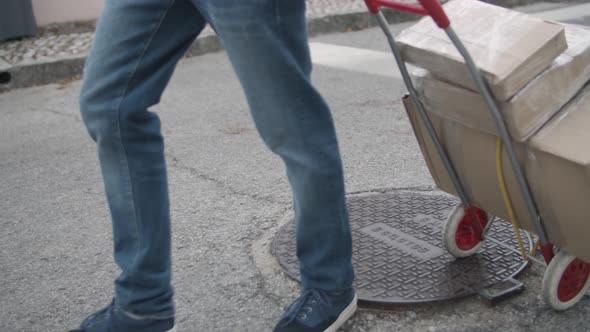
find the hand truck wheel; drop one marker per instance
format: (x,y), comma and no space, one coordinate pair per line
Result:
(459,236)
(566,280)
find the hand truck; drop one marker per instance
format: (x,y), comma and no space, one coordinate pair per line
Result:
(566,278)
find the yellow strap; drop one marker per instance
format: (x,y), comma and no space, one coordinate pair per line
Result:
(508,201)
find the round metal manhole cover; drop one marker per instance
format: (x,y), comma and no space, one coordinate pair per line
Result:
(398,253)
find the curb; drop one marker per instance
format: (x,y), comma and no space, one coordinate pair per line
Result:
(31,74)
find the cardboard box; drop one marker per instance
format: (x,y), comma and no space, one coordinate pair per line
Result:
(559,177)
(509,47)
(530,108)
(558,167)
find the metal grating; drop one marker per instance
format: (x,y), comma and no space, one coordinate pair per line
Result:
(398,253)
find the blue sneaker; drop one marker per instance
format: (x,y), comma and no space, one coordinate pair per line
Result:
(318,311)
(112,319)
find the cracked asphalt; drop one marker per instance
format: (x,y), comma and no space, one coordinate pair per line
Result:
(229,196)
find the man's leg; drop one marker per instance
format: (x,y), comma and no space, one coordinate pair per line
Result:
(137,45)
(266,41)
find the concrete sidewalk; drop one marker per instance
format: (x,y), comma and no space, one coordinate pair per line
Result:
(59,54)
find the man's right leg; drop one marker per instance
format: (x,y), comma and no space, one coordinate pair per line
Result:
(137,45)
(266,41)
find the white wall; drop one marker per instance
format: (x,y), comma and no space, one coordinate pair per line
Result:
(59,11)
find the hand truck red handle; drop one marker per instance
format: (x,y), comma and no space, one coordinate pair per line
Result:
(430,8)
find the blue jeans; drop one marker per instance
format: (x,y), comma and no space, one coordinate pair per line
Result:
(136,48)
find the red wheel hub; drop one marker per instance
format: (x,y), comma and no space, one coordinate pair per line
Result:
(573,280)
(469,232)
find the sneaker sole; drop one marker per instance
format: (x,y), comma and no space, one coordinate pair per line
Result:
(344,316)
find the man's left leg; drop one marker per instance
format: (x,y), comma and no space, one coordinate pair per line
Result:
(266,41)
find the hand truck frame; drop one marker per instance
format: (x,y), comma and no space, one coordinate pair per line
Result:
(567,278)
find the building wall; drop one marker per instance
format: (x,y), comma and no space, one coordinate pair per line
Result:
(59,11)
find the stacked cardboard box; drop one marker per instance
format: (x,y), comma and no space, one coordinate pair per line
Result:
(555,160)
(530,108)
(510,48)
(550,138)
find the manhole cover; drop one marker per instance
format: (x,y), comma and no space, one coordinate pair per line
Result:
(414,267)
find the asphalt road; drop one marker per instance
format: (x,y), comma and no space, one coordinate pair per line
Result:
(229,196)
